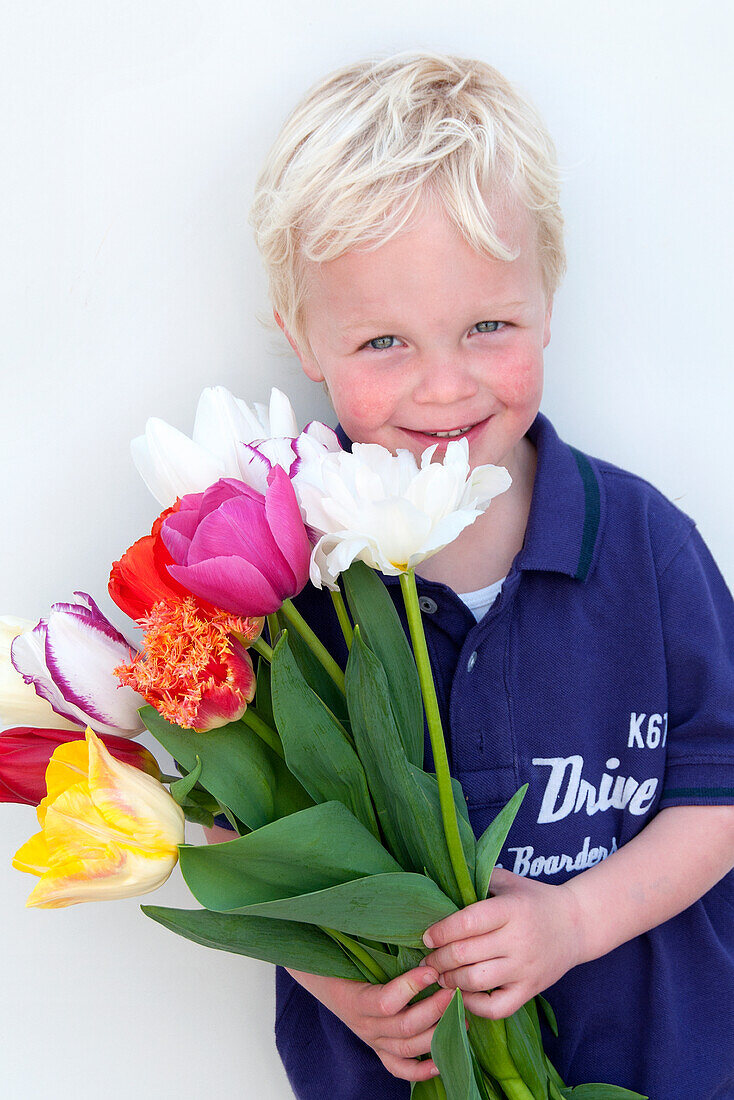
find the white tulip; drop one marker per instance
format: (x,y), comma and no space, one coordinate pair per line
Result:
(384,510)
(230,439)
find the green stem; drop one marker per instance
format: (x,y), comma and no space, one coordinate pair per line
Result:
(489,1043)
(263,730)
(261,646)
(316,646)
(438,744)
(273,627)
(343,617)
(356,949)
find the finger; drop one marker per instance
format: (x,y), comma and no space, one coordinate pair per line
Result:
(478,978)
(474,920)
(463,952)
(408,1068)
(416,1018)
(496,1005)
(396,994)
(410,1047)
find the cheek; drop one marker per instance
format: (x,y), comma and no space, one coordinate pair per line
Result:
(519,380)
(363,402)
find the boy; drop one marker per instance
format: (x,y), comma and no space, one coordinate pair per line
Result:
(581,636)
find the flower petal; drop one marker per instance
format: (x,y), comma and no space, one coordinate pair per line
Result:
(281,416)
(81,659)
(171,464)
(232,584)
(286,524)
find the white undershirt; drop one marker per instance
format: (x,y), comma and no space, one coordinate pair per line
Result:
(480,601)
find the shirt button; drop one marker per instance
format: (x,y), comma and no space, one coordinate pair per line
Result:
(428,605)
(472,661)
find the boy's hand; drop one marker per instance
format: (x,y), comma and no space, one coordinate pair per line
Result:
(516,944)
(379,1015)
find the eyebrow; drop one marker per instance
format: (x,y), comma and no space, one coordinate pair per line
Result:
(380,325)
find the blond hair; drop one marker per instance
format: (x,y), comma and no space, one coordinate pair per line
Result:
(356,155)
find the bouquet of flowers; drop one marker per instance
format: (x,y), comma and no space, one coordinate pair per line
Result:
(344,848)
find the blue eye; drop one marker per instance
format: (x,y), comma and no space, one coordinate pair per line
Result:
(491,326)
(377,343)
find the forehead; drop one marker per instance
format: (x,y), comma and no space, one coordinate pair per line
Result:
(425,266)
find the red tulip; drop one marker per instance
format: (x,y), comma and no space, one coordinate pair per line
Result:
(140,579)
(26,750)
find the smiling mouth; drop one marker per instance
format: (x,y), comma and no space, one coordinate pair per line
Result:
(451,433)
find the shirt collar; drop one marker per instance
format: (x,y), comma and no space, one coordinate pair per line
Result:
(566,508)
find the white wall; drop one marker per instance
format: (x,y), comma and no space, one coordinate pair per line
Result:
(131,135)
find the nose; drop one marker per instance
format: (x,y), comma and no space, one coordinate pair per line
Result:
(443,380)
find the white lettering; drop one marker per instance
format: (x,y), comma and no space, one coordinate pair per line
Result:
(635,735)
(522,861)
(550,810)
(654,729)
(665,727)
(567,792)
(527,863)
(643,797)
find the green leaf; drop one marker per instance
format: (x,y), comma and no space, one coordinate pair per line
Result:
(180,789)
(602,1092)
(406,798)
(396,908)
(492,839)
(263,702)
(287,943)
(316,675)
(549,1014)
(237,768)
(410,957)
(317,749)
(431,1089)
(451,1053)
(197,813)
(527,1053)
(374,612)
(389,963)
(310,850)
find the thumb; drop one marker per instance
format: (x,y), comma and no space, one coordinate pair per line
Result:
(501,881)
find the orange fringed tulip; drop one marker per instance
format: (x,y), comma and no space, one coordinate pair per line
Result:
(108,830)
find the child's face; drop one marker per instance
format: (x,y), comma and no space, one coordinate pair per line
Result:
(425,335)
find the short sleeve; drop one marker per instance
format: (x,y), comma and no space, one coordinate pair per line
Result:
(698,629)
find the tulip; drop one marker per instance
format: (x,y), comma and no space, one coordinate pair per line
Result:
(70,658)
(230,440)
(108,830)
(19,703)
(25,753)
(191,668)
(140,579)
(372,506)
(244,551)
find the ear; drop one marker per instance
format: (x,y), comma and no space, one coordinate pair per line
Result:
(547,323)
(308,362)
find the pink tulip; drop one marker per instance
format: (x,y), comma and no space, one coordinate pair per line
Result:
(242,551)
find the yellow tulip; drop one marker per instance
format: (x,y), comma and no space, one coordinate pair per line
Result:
(108,830)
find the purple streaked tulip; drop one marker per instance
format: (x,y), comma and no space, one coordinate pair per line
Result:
(243,551)
(69,658)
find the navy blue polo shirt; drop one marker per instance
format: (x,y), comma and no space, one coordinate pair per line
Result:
(603,676)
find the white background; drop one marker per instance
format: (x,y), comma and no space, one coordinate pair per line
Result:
(131,135)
